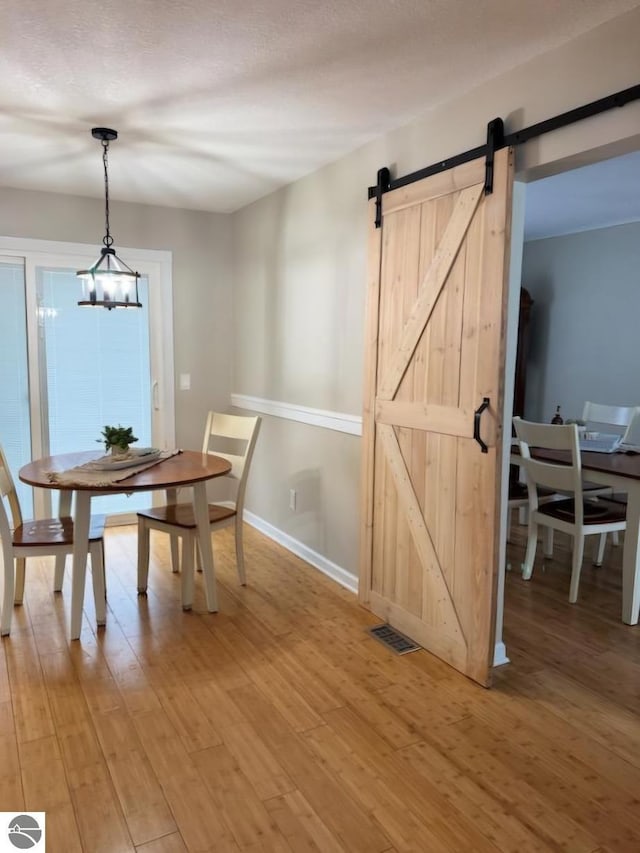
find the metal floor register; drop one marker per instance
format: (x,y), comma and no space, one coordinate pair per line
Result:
(393,639)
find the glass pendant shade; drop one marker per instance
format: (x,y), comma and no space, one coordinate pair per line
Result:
(109,282)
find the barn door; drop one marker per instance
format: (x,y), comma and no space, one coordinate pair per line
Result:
(435,358)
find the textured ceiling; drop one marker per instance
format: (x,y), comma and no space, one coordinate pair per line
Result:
(218,102)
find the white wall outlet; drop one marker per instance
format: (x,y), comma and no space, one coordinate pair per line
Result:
(185,381)
(292,500)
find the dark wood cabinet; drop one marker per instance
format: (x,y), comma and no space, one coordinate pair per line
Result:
(516,489)
(522,352)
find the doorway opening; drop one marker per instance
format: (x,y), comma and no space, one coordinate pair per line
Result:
(580,262)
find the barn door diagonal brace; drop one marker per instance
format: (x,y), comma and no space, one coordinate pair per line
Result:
(497,139)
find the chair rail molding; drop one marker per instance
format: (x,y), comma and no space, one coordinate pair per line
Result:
(338,421)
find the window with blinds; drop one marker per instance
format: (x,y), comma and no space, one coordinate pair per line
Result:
(96,367)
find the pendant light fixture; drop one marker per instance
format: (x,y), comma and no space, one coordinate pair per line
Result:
(109,282)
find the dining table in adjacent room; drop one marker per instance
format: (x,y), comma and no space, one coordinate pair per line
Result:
(620,471)
(173,470)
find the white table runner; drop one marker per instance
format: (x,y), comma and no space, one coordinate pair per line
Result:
(89,474)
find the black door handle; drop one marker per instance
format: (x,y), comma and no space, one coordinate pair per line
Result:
(476,423)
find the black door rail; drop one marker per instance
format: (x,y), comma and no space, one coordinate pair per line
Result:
(497,139)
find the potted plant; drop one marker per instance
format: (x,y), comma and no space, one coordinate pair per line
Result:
(117,439)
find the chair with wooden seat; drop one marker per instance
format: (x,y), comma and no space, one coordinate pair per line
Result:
(578,516)
(600,414)
(603,414)
(233,437)
(50,537)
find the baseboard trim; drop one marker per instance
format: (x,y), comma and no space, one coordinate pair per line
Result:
(500,655)
(338,421)
(332,570)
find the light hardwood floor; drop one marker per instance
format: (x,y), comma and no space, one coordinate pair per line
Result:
(279,725)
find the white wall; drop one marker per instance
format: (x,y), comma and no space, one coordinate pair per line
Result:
(584,322)
(202,293)
(300,268)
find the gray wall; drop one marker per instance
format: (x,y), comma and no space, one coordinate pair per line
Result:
(202,292)
(585,343)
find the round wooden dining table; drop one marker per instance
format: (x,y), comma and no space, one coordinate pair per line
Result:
(186,468)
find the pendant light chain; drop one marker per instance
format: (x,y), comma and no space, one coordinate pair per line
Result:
(107,239)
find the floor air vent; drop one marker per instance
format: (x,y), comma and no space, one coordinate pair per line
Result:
(393,639)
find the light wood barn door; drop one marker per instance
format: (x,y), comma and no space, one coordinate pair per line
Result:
(434,352)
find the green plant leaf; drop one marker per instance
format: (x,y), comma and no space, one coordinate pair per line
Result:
(117,436)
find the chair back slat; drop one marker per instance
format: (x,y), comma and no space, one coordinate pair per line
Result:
(600,413)
(549,436)
(229,426)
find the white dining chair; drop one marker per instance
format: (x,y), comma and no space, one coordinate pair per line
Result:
(234,438)
(602,414)
(42,538)
(577,516)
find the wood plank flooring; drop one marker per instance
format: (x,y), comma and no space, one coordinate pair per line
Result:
(279,725)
